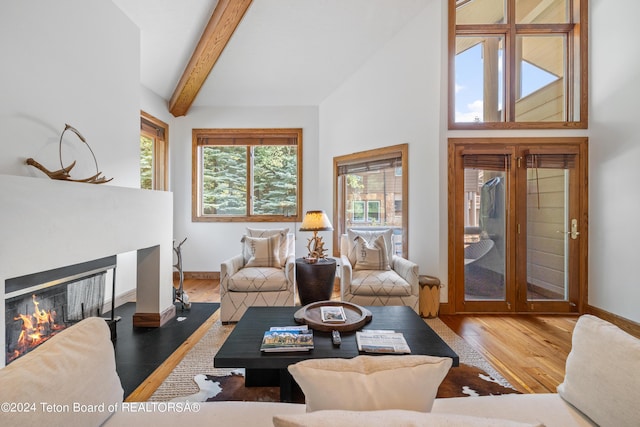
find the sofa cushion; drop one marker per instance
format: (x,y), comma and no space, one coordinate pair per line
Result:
(379,283)
(368,235)
(73,368)
(602,373)
(371,255)
(268,232)
(390,418)
(371,382)
(258,279)
(262,251)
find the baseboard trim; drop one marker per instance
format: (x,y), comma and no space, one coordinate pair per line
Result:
(129,296)
(154,320)
(623,323)
(206,275)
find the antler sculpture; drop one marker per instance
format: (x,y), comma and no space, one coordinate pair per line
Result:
(63,173)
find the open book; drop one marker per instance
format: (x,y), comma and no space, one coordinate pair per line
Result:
(382,342)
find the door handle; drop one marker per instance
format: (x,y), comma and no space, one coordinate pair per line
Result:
(574,233)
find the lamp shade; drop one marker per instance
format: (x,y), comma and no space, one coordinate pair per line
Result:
(316,221)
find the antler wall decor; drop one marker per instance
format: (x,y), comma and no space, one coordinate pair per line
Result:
(63,173)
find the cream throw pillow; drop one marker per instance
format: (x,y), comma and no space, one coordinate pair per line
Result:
(369,235)
(268,232)
(262,251)
(390,418)
(75,367)
(367,383)
(602,374)
(371,255)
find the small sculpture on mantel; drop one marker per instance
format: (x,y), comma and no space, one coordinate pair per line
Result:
(63,173)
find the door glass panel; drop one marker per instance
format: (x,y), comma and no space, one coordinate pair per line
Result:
(548,227)
(484,233)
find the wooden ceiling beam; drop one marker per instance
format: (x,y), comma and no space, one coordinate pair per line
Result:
(224,20)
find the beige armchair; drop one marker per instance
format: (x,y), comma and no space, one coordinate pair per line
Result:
(263,275)
(371,274)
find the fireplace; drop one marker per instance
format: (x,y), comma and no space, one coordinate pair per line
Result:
(37,306)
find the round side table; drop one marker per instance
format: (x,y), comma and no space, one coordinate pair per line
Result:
(429,296)
(315,281)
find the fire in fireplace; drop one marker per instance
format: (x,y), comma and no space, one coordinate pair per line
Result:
(40,305)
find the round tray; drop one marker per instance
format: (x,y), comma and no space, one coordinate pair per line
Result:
(310,315)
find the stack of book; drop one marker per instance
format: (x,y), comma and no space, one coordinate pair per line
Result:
(333,314)
(287,338)
(382,342)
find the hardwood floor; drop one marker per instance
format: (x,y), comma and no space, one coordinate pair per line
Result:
(528,350)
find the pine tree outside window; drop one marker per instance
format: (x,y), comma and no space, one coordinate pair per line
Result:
(247,174)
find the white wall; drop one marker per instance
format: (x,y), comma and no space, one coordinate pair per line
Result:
(394,99)
(614,135)
(210,243)
(75,62)
(400,95)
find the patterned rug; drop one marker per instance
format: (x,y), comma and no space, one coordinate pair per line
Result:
(195,378)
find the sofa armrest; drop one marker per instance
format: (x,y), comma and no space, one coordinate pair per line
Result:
(408,270)
(290,271)
(345,275)
(228,268)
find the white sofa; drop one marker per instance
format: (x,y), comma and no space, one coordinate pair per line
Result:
(71,380)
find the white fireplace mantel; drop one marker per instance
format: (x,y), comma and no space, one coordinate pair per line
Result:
(46,224)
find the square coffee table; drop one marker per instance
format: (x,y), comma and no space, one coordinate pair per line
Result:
(242,347)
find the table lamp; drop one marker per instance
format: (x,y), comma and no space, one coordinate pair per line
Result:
(315,221)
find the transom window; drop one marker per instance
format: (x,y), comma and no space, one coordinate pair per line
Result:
(517,64)
(247,174)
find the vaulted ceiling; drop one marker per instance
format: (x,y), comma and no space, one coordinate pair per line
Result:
(282,52)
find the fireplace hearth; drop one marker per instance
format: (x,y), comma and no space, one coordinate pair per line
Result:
(37,306)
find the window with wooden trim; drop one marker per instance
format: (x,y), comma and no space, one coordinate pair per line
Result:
(247,175)
(372,192)
(517,64)
(154,152)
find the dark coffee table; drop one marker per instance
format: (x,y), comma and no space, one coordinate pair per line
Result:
(242,347)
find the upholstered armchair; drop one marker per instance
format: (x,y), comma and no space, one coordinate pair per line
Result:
(263,275)
(371,273)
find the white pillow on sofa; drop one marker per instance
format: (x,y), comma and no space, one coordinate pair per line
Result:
(262,251)
(369,235)
(390,418)
(602,375)
(367,383)
(76,366)
(268,232)
(371,255)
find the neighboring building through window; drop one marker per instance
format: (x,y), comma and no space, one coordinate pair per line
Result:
(371,191)
(247,174)
(154,152)
(517,64)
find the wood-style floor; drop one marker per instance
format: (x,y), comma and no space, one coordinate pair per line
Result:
(528,350)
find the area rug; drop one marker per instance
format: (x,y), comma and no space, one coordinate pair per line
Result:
(195,378)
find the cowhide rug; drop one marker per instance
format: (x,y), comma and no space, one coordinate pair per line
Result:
(464,380)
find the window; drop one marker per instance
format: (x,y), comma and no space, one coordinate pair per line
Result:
(517,64)
(154,151)
(247,174)
(371,191)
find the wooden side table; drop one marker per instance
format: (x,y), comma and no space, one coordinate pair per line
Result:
(315,281)
(429,296)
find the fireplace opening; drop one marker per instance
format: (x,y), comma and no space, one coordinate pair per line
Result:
(40,305)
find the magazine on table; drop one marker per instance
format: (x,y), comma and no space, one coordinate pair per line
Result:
(382,342)
(279,339)
(333,314)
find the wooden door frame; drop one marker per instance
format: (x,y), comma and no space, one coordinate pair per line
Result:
(455,180)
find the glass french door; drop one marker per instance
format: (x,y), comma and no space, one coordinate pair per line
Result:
(518,234)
